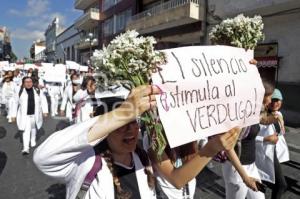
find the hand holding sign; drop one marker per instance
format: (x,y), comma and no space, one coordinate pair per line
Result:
(208,90)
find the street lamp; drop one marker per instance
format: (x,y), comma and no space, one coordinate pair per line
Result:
(92,40)
(7,57)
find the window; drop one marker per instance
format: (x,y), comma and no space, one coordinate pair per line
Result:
(122,20)
(73,53)
(106,4)
(108,27)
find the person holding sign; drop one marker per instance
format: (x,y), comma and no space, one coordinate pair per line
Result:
(111,138)
(177,169)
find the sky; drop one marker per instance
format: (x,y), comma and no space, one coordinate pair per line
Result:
(27,20)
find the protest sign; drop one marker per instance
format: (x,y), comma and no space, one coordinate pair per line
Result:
(71,65)
(4,65)
(207,90)
(83,68)
(55,73)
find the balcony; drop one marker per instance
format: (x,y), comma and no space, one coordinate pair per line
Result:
(83,44)
(88,20)
(167,15)
(84,4)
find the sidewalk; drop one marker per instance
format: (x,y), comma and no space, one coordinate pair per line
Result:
(293,139)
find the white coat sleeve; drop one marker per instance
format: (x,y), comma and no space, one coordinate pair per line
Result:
(15,104)
(80,95)
(64,100)
(44,103)
(3,94)
(60,153)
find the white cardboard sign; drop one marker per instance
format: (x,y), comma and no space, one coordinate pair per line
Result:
(55,73)
(207,90)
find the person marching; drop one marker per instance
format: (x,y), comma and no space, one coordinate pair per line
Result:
(99,158)
(30,107)
(240,171)
(86,103)
(67,106)
(178,167)
(9,89)
(17,78)
(270,151)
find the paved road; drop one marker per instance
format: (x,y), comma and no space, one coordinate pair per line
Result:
(20,179)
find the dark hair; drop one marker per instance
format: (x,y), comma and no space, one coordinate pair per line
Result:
(24,78)
(22,86)
(73,75)
(103,149)
(184,152)
(5,78)
(108,104)
(85,82)
(269,86)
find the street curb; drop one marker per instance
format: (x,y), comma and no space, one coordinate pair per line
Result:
(293,147)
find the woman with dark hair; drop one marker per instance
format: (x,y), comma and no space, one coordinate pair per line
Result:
(30,107)
(124,171)
(86,103)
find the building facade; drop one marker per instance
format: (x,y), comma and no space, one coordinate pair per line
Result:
(88,26)
(37,51)
(66,43)
(279,52)
(173,23)
(5,44)
(115,16)
(53,30)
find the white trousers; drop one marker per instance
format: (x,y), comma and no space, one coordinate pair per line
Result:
(9,103)
(54,98)
(234,185)
(29,134)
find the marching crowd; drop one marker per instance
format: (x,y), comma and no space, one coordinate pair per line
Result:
(104,153)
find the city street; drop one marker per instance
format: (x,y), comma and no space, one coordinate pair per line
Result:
(20,179)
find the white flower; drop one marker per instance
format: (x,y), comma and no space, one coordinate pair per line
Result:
(240,31)
(128,58)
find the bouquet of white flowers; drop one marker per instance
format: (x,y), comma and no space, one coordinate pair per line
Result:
(241,31)
(129,60)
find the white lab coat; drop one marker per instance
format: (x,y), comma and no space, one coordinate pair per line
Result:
(282,150)
(18,80)
(85,109)
(172,192)
(20,109)
(234,185)
(8,92)
(265,154)
(67,102)
(67,155)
